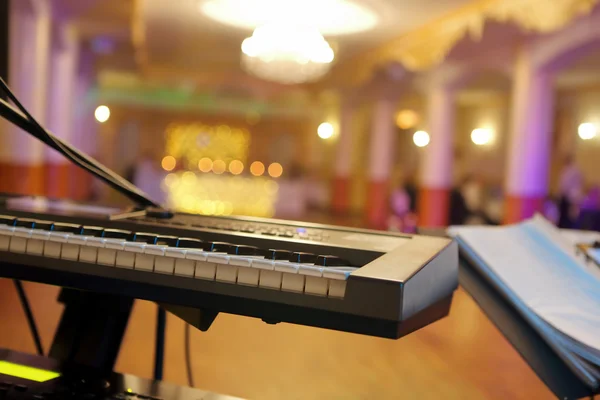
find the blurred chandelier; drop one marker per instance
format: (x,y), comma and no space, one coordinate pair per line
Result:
(287,45)
(287,54)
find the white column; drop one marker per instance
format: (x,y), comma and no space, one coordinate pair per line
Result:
(381,154)
(436,172)
(382,143)
(438,158)
(62,101)
(531,131)
(21,156)
(343,155)
(28,64)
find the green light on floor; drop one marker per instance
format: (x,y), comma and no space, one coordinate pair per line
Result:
(26,372)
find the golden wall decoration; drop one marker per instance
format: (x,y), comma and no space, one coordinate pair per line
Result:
(427,46)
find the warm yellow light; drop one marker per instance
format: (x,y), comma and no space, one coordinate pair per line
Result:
(219,166)
(102,114)
(406,119)
(271,187)
(325,130)
(205,164)
(275,170)
(421,138)
(587,131)
(168,163)
(236,167)
(171,180)
(257,168)
(481,136)
(188,178)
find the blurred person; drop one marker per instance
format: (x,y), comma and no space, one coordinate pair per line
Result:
(472,192)
(570,192)
(591,201)
(459,212)
(400,206)
(550,210)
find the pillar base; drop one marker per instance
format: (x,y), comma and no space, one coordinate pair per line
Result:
(433,207)
(340,199)
(518,208)
(22,179)
(377,204)
(58,180)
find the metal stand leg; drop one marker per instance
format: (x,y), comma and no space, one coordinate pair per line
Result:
(91,329)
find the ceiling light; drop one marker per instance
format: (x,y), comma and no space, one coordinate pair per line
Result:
(286,53)
(421,138)
(330,17)
(587,131)
(481,136)
(102,114)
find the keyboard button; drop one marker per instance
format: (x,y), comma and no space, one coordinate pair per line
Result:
(164,265)
(316,286)
(205,270)
(172,241)
(94,231)
(7,220)
(337,280)
(35,245)
(25,223)
(190,243)
(248,276)
(274,254)
(242,250)
(67,228)
(226,273)
(108,254)
(118,234)
(217,247)
(6,233)
(292,282)
(44,225)
(185,267)
(144,262)
(126,258)
(331,261)
(270,279)
(142,237)
(18,243)
(301,257)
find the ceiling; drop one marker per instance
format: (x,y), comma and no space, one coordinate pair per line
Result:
(177,44)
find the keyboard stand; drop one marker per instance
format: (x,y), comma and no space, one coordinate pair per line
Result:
(91,328)
(548,366)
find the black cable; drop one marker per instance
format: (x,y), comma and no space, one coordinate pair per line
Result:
(159,349)
(188,356)
(29,314)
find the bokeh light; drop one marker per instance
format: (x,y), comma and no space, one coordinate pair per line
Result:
(257,168)
(188,178)
(421,138)
(587,131)
(406,119)
(275,170)
(171,180)
(236,167)
(168,163)
(219,167)
(481,136)
(205,164)
(102,114)
(325,130)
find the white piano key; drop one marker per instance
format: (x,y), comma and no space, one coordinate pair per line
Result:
(286,266)
(226,273)
(185,267)
(108,254)
(155,249)
(337,280)
(164,265)
(316,286)
(248,276)
(126,257)
(175,252)
(144,262)
(53,246)
(310,270)
(6,233)
(292,282)
(70,250)
(205,270)
(218,258)
(89,252)
(35,245)
(196,255)
(337,288)
(270,279)
(18,243)
(263,263)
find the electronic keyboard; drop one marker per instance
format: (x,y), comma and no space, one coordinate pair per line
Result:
(354,280)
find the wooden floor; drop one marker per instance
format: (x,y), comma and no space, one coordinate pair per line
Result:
(461,357)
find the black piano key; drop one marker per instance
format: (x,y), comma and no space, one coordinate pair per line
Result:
(242,250)
(274,254)
(7,220)
(67,228)
(94,231)
(44,225)
(331,261)
(117,234)
(191,243)
(171,241)
(25,223)
(217,247)
(304,258)
(142,237)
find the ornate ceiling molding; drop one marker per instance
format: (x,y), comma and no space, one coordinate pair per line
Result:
(428,46)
